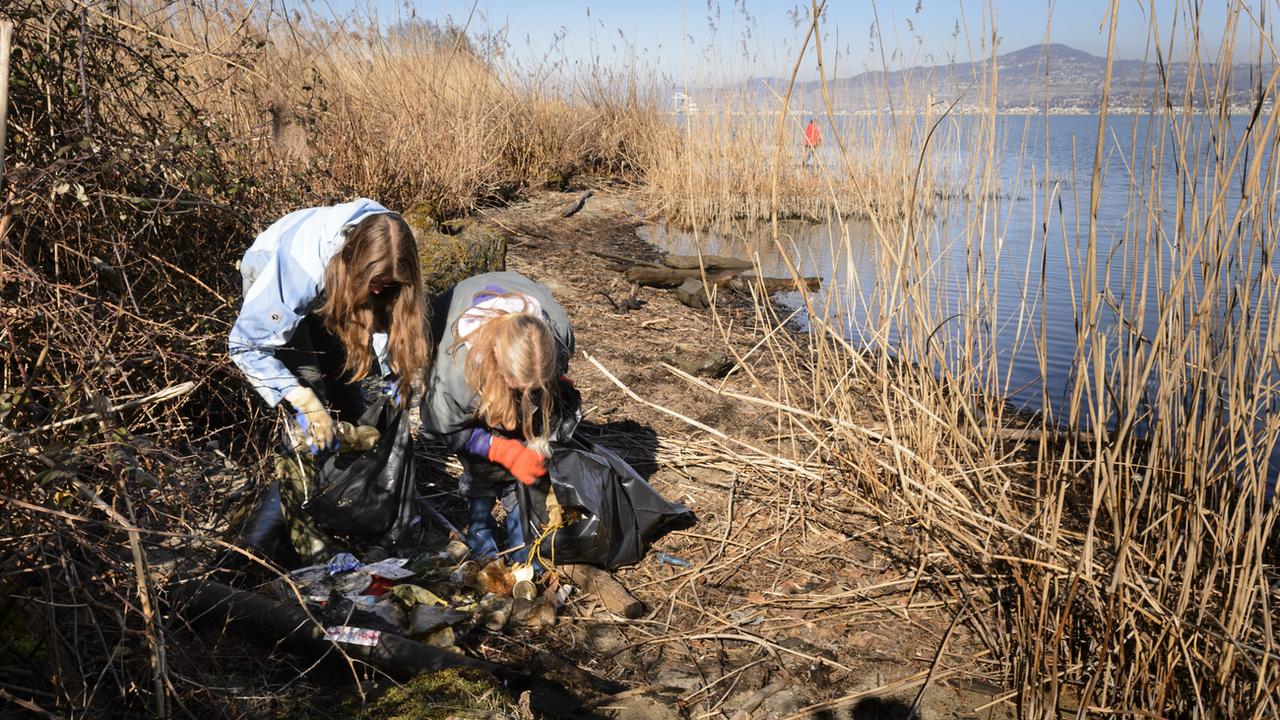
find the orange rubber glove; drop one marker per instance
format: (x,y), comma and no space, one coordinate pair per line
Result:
(525,464)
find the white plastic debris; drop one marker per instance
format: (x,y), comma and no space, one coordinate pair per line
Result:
(352,635)
(391,569)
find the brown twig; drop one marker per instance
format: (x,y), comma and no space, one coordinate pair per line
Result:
(168,393)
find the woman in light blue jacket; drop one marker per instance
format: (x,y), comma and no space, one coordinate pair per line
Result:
(332,295)
(328,292)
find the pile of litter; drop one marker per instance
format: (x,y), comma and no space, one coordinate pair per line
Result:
(434,598)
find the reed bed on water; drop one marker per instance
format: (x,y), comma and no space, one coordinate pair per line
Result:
(1119,547)
(732,165)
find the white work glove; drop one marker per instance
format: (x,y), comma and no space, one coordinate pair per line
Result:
(315,422)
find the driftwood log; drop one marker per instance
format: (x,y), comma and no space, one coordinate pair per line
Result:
(710,262)
(673,278)
(670,277)
(572,208)
(773,285)
(612,594)
(289,626)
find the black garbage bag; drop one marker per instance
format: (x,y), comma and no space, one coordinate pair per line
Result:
(370,494)
(618,514)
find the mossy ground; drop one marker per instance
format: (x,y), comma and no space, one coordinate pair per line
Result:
(464,248)
(444,694)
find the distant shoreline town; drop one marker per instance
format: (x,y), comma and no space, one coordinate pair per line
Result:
(973,110)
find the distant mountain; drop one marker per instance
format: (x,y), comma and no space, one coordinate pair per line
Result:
(1064,78)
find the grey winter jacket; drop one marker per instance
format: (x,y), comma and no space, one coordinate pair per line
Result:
(449,406)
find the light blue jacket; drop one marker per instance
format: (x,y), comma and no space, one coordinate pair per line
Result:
(283,279)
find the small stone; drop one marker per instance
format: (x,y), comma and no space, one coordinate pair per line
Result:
(714,364)
(692,293)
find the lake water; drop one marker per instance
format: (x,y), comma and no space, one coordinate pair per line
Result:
(1039,164)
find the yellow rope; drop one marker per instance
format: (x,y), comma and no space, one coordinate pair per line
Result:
(555,521)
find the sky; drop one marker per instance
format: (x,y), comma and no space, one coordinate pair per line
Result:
(737,39)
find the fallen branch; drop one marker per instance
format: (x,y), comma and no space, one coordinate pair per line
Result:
(757,698)
(743,283)
(168,393)
(27,705)
(778,460)
(662,277)
(572,208)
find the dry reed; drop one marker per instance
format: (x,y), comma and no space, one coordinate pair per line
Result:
(729,157)
(1128,549)
(424,117)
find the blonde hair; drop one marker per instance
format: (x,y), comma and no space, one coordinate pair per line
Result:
(512,364)
(380,248)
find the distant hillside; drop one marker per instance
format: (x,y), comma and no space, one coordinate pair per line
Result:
(1071,78)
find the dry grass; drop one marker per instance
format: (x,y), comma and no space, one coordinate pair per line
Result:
(416,114)
(1122,555)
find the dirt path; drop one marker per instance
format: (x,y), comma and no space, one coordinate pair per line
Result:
(795,594)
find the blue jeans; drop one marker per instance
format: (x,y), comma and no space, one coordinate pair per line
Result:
(482,528)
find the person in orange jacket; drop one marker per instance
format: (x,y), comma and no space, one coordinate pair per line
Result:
(812,139)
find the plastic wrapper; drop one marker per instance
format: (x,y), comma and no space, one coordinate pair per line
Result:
(342,562)
(352,635)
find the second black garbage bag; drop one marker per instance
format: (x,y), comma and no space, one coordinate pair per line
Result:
(610,514)
(369,494)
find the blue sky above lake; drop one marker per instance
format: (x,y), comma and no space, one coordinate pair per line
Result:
(738,39)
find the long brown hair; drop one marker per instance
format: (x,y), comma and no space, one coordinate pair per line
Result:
(512,364)
(380,248)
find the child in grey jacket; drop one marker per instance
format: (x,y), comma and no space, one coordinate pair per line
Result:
(496,393)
